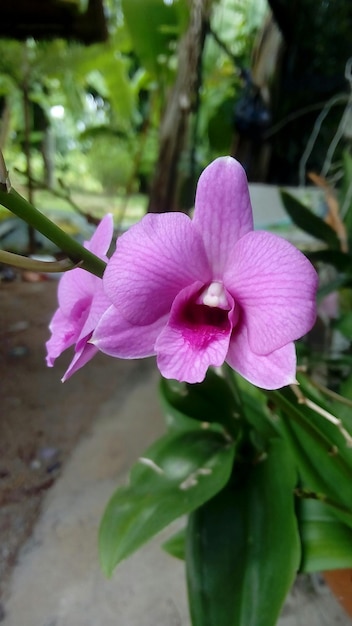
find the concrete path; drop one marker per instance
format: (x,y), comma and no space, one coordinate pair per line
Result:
(58,582)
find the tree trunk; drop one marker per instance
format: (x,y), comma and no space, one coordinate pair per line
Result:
(48,153)
(174,125)
(27,143)
(4,124)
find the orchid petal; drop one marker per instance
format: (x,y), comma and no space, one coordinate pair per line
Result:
(99,305)
(153,261)
(82,302)
(81,357)
(223,211)
(64,335)
(186,349)
(117,337)
(75,292)
(275,286)
(273,371)
(100,242)
(77,286)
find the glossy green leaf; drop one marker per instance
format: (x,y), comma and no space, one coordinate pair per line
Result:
(211,401)
(176,544)
(308,221)
(254,405)
(328,434)
(326,542)
(242,547)
(177,474)
(324,460)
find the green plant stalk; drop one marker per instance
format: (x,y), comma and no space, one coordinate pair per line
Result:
(18,205)
(25,263)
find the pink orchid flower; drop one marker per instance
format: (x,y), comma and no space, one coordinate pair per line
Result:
(82,302)
(201,292)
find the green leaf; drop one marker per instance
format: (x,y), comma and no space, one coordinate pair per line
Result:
(220,125)
(177,474)
(346,192)
(341,410)
(114,82)
(324,460)
(308,221)
(340,260)
(176,544)
(326,542)
(254,405)
(151,37)
(210,401)
(242,547)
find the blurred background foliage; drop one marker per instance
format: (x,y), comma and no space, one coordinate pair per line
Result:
(95,120)
(95,111)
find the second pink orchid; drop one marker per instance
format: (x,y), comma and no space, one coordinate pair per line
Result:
(82,302)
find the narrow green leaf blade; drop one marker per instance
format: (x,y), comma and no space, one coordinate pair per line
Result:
(308,221)
(346,198)
(340,260)
(211,401)
(324,460)
(176,544)
(178,473)
(242,547)
(326,542)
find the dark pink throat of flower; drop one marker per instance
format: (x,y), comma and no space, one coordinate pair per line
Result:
(206,316)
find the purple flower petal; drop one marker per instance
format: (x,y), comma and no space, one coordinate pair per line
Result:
(81,357)
(194,293)
(153,261)
(117,337)
(75,292)
(275,286)
(63,335)
(77,286)
(100,242)
(195,337)
(272,371)
(99,305)
(223,211)
(81,304)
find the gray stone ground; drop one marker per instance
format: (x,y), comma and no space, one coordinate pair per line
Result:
(57,580)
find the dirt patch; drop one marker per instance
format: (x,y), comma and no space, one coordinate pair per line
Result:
(41,419)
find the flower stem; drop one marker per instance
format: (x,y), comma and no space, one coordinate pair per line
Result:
(33,265)
(75,252)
